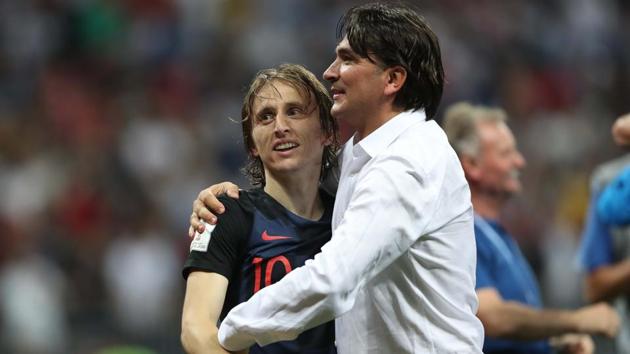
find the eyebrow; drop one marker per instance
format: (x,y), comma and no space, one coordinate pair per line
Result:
(345,51)
(300,104)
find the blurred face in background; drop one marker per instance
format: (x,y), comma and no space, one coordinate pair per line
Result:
(499,162)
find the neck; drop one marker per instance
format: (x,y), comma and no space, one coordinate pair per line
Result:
(375,120)
(299,194)
(487,205)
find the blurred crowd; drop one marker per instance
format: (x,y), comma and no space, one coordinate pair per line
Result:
(114,115)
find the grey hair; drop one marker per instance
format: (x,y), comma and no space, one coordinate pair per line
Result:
(460,124)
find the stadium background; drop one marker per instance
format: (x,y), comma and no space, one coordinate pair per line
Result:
(114,114)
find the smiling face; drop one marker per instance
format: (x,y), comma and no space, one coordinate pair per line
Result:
(500,162)
(357,85)
(286,131)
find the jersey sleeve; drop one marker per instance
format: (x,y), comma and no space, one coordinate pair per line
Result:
(219,248)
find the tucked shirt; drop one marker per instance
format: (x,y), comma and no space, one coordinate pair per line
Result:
(399,271)
(502,266)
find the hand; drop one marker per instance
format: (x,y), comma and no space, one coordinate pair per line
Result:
(599,318)
(207,201)
(573,344)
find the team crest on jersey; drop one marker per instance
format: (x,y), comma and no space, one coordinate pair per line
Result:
(201,240)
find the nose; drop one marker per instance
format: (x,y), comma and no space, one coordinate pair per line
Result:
(332,73)
(520,160)
(281,126)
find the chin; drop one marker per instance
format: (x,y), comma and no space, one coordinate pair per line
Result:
(335,113)
(513,191)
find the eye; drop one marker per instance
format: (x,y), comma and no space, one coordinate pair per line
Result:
(265,117)
(295,112)
(347,58)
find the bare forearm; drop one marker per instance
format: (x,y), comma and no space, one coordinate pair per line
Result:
(608,282)
(519,322)
(201,340)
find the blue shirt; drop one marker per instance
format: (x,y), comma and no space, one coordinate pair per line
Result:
(596,248)
(502,266)
(613,205)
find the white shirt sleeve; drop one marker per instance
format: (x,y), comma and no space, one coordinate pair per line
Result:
(389,210)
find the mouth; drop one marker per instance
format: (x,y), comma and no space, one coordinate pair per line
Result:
(335,92)
(286,146)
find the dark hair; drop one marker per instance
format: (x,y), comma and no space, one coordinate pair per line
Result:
(309,87)
(397,36)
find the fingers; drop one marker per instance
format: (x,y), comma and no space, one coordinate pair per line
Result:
(573,343)
(608,318)
(195,224)
(207,206)
(613,322)
(232,190)
(201,213)
(207,201)
(228,188)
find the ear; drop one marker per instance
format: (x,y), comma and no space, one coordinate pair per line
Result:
(396,77)
(471,166)
(254,152)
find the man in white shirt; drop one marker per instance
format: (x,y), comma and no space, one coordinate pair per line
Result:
(399,272)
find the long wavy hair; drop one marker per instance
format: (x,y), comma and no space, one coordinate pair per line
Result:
(309,88)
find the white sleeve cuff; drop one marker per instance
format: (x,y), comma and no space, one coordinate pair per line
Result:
(233,340)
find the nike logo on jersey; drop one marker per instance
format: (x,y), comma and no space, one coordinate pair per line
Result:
(266,237)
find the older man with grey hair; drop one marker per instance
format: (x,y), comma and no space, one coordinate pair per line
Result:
(510,306)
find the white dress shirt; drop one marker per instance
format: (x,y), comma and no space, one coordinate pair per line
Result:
(399,271)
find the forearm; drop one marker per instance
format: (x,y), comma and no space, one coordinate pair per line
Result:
(205,293)
(608,282)
(516,321)
(363,245)
(201,339)
(304,298)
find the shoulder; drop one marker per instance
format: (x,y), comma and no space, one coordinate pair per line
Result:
(423,150)
(485,247)
(607,171)
(425,144)
(243,205)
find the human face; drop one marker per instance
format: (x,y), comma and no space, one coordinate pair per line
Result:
(357,85)
(287,134)
(499,161)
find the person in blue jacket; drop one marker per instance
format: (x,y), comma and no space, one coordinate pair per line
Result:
(605,247)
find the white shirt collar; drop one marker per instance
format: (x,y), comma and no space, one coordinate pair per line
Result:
(380,139)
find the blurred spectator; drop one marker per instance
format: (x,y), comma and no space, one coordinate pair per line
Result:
(510,303)
(613,206)
(605,249)
(32,297)
(138,270)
